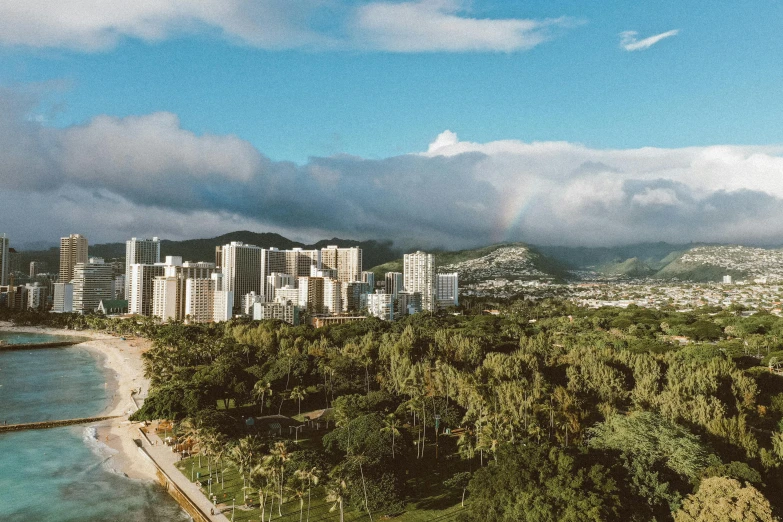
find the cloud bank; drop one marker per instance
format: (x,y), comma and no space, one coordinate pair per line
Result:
(112,178)
(413,26)
(630,42)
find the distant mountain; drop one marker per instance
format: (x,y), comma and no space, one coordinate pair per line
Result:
(373,252)
(711,263)
(512,261)
(583,258)
(633,267)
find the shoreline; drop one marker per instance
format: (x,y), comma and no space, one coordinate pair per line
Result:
(122,366)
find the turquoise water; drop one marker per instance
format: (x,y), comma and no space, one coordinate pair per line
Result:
(61,474)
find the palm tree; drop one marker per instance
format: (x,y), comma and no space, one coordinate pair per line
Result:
(242,456)
(260,391)
(299,393)
(192,430)
(277,457)
(335,493)
(311,477)
(391,425)
(264,476)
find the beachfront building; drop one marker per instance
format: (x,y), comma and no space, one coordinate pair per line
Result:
(113,307)
(92,282)
(166,298)
(37,296)
(73,250)
(141,287)
(63,298)
(140,252)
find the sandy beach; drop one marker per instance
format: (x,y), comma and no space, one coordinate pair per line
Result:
(125,373)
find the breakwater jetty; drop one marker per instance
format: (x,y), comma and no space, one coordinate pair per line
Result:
(53,423)
(52,344)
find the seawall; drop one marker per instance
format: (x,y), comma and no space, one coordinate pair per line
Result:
(171,487)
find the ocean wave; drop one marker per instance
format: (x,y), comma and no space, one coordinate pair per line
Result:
(100,449)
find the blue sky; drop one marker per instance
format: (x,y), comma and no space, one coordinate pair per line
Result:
(379,80)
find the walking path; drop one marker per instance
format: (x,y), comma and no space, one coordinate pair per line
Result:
(166,459)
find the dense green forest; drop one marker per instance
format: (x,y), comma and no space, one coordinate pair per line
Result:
(547,412)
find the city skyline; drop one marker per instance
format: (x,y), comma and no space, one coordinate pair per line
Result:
(429,122)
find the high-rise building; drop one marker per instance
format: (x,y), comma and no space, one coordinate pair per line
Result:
(407,303)
(5,262)
(63,298)
(173,267)
(447,290)
(14,261)
(298,261)
(73,249)
(419,276)
(14,296)
(394,283)
(248,300)
(200,300)
(333,298)
(379,305)
(351,293)
(275,281)
(368,278)
(140,252)
(347,262)
(311,294)
(224,305)
(166,298)
(37,295)
(287,293)
(282,310)
(242,272)
(92,282)
(37,267)
(141,287)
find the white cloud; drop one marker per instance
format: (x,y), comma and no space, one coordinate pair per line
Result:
(436,25)
(630,42)
(146,173)
(90,25)
(416,26)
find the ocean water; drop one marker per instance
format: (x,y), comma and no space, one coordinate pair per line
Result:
(62,474)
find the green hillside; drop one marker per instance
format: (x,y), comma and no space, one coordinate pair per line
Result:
(533,260)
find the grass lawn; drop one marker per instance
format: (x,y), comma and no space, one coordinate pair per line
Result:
(438,507)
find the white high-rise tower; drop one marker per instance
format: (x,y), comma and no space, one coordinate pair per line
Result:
(139,252)
(419,277)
